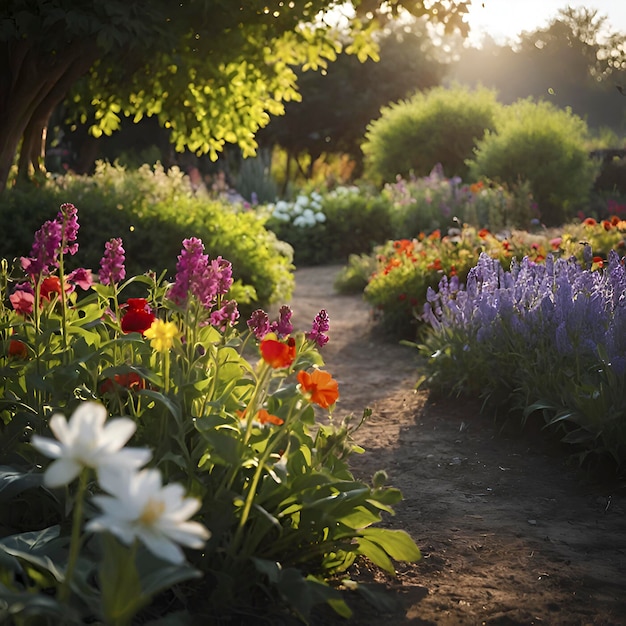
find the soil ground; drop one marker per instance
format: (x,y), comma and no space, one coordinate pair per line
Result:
(510,531)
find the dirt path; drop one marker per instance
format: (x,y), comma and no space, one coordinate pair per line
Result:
(510,534)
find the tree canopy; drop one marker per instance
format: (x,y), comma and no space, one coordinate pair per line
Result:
(211,71)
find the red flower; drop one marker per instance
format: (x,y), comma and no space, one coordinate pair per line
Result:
(49,286)
(436,234)
(276,353)
(435,265)
(320,387)
(132,380)
(598,260)
(483,233)
(138,317)
(590,222)
(18,349)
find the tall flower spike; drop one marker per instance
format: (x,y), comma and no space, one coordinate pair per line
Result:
(45,250)
(68,219)
(283,326)
(320,326)
(259,323)
(112,268)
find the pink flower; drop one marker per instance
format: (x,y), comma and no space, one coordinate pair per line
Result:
(22,301)
(81,277)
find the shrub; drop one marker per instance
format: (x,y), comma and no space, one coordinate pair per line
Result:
(329,227)
(546,146)
(438,126)
(154,211)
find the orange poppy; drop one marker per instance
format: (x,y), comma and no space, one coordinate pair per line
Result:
(276,353)
(49,286)
(320,387)
(263,417)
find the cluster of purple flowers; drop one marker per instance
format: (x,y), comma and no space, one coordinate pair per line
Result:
(197,276)
(559,306)
(260,325)
(112,268)
(55,236)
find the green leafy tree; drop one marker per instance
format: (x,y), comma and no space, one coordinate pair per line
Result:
(211,71)
(338,103)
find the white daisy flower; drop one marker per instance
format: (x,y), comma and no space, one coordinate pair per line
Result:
(85,441)
(139,507)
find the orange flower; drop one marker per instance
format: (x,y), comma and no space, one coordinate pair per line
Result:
(276,353)
(476,187)
(607,225)
(598,262)
(590,222)
(263,417)
(435,265)
(436,234)
(483,233)
(320,387)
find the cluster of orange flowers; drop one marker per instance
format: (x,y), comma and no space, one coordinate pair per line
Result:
(318,386)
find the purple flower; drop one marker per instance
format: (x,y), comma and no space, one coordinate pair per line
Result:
(45,250)
(259,323)
(197,276)
(319,328)
(112,264)
(68,219)
(283,326)
(225,316)
(222,271)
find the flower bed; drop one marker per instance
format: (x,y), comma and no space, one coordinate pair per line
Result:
(233,497)
(541,338)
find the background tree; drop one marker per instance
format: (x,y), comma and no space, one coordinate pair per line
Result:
(576,61)
(212,71)
(338,103)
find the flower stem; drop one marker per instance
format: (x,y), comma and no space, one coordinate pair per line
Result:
(77,519)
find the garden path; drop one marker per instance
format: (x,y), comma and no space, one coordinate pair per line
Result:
(509,531)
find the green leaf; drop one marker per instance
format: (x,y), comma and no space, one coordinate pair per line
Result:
(122,596)
(375,554)
(396,543)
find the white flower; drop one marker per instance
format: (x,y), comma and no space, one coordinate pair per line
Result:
(320,217)
(139,507)
(86,442)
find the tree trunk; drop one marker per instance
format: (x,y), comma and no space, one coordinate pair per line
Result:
(31,88)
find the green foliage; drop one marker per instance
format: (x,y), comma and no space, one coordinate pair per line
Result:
(222,419)
(254,180)
(546,146)
(155,210)
(438,126)
(329,227)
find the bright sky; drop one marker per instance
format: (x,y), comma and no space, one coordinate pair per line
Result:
(505,19)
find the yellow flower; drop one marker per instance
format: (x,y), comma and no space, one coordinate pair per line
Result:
(162,335)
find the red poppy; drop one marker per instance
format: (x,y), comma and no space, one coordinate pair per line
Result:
(132,380)
(483,233)
(590,222)
(138,316)
(276,353)
(435,265)
(49,286)
(320,387)
(598,261)
(18,349)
